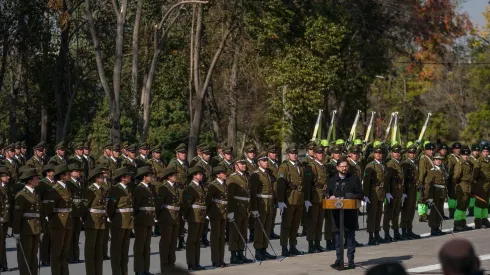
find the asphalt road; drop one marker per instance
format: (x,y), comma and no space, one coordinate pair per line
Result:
(415,253)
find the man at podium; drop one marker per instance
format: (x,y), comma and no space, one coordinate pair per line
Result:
(347,186)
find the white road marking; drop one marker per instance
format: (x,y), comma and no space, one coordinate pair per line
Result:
(433,267)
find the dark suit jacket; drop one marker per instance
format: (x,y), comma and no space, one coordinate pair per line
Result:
(349,188)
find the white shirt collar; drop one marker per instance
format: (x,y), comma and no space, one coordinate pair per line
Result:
(62,183)
(239,173)
(143,157)
(397,161)
(250,160)
(377,161)
(195,182)
(355,163)
(181,162)
(113,158)
(171,183)
(220,181)
(293,163)
(318,162)
(96,186)
(30,189)
(74,179)
(123,186)
(272,160)
(50,180)
(145,184)
(262,169)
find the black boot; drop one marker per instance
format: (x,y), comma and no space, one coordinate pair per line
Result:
(259,256)
(235,259)
(204,240)
(388,238)
(318,247)
(267,255)
(378,238)
(274,236)
(451,213)
(243,258)
(285,251)
(181,245)
(330,245)
(294,251)
(404,234)
(397,236)
(311,247)
(434,232)
(304,231)
(485,222)
(413,235)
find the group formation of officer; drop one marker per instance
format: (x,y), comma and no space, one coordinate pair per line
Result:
(130,192)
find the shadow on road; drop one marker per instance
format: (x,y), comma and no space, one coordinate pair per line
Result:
(398,259)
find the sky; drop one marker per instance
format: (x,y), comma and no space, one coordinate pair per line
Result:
(475,8)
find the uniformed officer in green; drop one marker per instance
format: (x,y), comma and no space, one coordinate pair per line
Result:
(144,219)
(217,204)
(290,197)
(20,149)
(157,166)
(273,167)
(374,192)
(194,208)
(395,194)
(44,187)
(93,214)
(80,161)
(5,219)
(27,224)
(462,179)
(90,160)
(354,161)
(11,162)
(195,160)
(131,162)
(106,174)
(215,161)
(453,159)
(481,188)
(475,152)
(435,188)
(203,163)
(168,215)
(250,155)
(262,206)
(120,215)
(181,165)
(36,161)
(60,220)
(105,158)
(411,185)
(425,164)
(76,189)
(142,157)
(238,211)
(310,151)
(60,157)
(114,161)
(316,177)
(227,161)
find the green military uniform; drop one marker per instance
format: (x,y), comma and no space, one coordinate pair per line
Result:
(157,166)
(475,149)
(262,203)
(273,167)
(216,160)
(181,167)
(425,164)
(43,189)
(57,159)
(60,223)
(93,214)
(410,182)
(435,188)
(195,160)
(481,188)
(120,213)
(393,183)
(76,190)
(20,157)
(225,163)
(131,164)
(462,179)
(316,177)
(453,160)
(306,162)
(168,215)
(374,190)
(142,159)
(216,205)
(114,163)
(81,162)
(6,198)
(12,164)
(27,224)
(144,220)
(207,171)
(290,191)
(194,209)
(105,159)
(36,162)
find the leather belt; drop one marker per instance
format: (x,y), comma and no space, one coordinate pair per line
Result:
(31,215)
(146,208)
(296,187)
(77,200)
(241,198)
(62,210)
(264,196)
(197,206)
(97,211)
(439,186)
(47,201)
(171,207)
(220,201)
(124,210)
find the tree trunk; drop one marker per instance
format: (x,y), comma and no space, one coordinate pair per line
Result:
(44,123)
(3,66)
(14,88)
(135,64)
(232,101)
(214,113)
(195,127)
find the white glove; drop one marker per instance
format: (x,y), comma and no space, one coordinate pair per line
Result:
(156,220)
(17,236)
(231,217)
(430,201)
(207,218)
(108,219)
(404,196)
(255,214)
(366,200)
(307,205)
(46,218)
(282,206)
(389,197)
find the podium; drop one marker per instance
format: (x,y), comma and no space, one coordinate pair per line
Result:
(341,205)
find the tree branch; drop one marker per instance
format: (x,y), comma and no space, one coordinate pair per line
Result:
(175,6)
(115,6)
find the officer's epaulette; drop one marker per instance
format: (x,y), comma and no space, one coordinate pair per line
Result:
(255,172)
(433,169)
(92,187)
(233,174)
